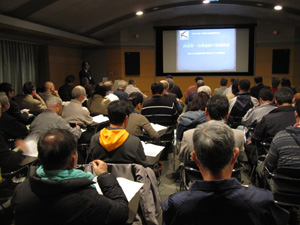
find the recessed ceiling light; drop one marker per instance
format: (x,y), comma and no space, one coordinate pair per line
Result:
(278,7)
(206,2)
(139,13)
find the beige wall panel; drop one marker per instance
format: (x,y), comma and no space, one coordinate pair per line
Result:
(62,62)
(113,55)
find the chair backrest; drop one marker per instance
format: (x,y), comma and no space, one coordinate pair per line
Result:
(287,179)
(286,186)
(191,172)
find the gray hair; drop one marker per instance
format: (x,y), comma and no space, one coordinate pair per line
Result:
(205,89)
(200,83)
(77,91)
(52,101)
(122,83)
(171,82)
(3,99)
(214,144)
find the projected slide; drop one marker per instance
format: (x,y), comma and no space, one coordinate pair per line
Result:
(209,50)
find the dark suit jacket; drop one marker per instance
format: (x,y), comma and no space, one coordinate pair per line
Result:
(9,160)
(87,74)
(14,111)
(177,91)
(65,92)
(11,127)
(254,91)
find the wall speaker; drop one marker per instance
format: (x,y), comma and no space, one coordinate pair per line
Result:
(132,63)
(281,61)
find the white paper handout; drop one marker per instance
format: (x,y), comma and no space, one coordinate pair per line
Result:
(130,188)
(158,127)
(151,149)
(100,119)
(31,148)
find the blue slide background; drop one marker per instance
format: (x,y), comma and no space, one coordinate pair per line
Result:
(206,50)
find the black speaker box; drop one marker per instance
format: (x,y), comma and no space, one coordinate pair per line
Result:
(132,63)
(281,61)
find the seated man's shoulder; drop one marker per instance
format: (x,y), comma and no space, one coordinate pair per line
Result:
(238,132)
(256,197)
(134,140)
(189,132)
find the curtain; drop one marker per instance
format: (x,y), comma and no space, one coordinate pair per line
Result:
(18,63)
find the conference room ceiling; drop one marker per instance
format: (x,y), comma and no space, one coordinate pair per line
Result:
(88,22)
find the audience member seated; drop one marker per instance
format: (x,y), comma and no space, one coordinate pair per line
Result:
(9,159)
(178,104)
(218,198)
(73,111)
(222,88)
(284,150)
(137,123)
(194,115)
(278,119)
(31,100)
(85,72)
(205,89)
(98,103)
(234,89)
(174,89)
(49,91)
(275,82)
(50,119)
(109,91)
(58,193)
(192,88)
(254,115)
(285,82)
(87,86)
(199,83)
(131,87)
(254,91)
(217,109)
(229,89)
(239,105)
(159,109)
(114,144)
(9,125)
(120,92)
(14,109)
(65,91)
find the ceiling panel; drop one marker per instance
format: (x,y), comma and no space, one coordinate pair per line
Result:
(7,6)
(100,18)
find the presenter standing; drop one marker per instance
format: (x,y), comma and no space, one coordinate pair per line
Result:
(85,72)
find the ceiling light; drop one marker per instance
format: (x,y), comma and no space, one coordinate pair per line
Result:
(139,13)
(278,7)
(206,2)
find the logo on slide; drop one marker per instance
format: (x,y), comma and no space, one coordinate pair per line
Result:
(184,35)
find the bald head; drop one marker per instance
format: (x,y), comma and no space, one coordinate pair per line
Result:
(55,148)
(49,86)
(166,85)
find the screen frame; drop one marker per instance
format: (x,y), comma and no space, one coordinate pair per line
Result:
(159,49)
